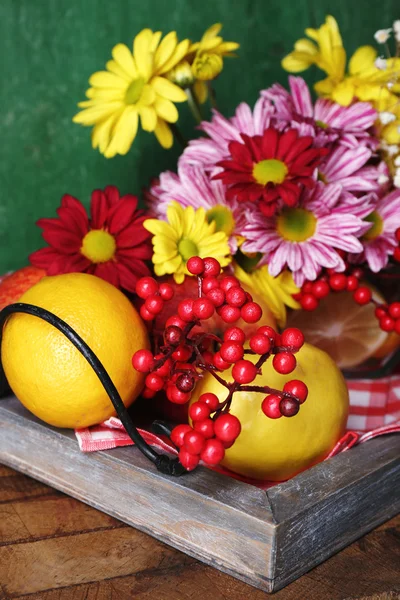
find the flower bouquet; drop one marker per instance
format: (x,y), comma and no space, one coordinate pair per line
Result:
(281,225)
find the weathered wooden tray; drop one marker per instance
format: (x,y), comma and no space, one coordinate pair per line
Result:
(266,539)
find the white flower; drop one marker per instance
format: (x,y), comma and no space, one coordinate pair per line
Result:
(382,179)
(396,29)
(382,35)
(396,179)
(390,84)
(397,161)
(386,117)
(391,149)
(381,63)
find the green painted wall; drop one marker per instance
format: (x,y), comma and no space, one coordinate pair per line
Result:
(49,48)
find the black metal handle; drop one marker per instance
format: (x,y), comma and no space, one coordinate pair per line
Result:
(165,464)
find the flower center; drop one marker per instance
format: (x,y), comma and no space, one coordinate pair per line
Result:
(98,246)
(377,226)
(321,124)
(269,171)
(296,224)
(222,217)
(187,249)
(134,91)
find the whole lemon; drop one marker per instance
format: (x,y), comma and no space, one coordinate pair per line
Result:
(49,375)
(277,449)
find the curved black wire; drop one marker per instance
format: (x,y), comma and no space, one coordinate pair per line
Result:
(165,464)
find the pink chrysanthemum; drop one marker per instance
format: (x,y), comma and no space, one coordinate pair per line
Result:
(192,186)
(305,238)
(379,241)
(325,120)
(347,167)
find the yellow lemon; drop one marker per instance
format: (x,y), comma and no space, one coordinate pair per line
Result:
(49,375)
(276,449)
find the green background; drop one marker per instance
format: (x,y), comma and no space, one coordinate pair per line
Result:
(49,48)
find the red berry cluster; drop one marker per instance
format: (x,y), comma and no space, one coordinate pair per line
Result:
(396,253)
(389,316)
(186,351)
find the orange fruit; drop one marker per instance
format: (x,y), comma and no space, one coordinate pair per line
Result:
(391,343)
(49,375)
(348,332)
(14,285)
(277,449)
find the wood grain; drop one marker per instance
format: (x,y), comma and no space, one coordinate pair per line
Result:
(266,539)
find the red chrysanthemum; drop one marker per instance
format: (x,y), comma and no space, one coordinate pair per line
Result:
(112,244)
(270,168)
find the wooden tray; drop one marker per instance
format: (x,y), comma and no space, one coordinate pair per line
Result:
(266,539)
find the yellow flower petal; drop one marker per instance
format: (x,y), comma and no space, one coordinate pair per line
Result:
(147,97)
(142,53)
(168,90)
(201,90)
(165,50)
(104,79)
(161,228)
(123,57)
(166,110)
(163,134)
(94,114)
(100,95)
(101,133)
(344,93)
(362,59)
(148,118)
(211,32)
(179,54)
(155,40)
(124,133)
(115,68)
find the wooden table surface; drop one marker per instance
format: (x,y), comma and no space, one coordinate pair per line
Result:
(53,547)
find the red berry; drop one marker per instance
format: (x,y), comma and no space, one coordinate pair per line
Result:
(146,314)
(386,323)
(165,368)
(297,388)
(394,310)
(229,314)
(380,312)
(143,361)
(309,302)
(251,312)
(244,371)
(195,265)
(397,326)
(292,337)
(203,308)
(284,362)
(148,393)
(173,335)
(209,283)
(307,287)
(234,334)
(185,382)
(154,382)
(210,399)
(199,411)
(231,352)
(188,460)
(268,331)
(352,283)
(176,396)
(146,286)
(362,295)
(175,320)
(270,406)
(208,357)
(236,296)
(338,282)
(358,273)
(154,304)
(227,427)
(320,289)
(178,433)
(397,234)
(219,362)
(228,282)
(166,291)
(213,452)
(260,344)
(193,442)
(182,353)
(185,309)
(217,296)
(206,428)
(212,267)
(289,407)
(396,254)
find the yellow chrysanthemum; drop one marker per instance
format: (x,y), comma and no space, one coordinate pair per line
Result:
(186,233)
(363,81)
(134,86)
(276,291)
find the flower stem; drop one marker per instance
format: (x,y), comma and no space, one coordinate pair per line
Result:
(194,104)
(213,95)
(178,135)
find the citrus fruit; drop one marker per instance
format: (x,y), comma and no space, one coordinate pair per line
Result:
(14,285)
(277,449)
(348,332)
(49,375)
